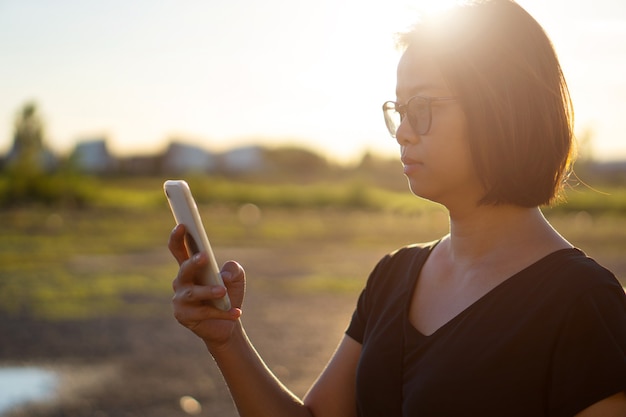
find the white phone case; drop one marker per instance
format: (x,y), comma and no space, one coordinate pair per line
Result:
(186,212)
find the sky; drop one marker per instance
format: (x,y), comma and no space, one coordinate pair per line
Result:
(228,73)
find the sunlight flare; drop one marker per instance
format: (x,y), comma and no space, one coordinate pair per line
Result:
(190,405)
(430,7)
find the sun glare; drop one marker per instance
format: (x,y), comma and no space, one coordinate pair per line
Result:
(432,6)
(404,13)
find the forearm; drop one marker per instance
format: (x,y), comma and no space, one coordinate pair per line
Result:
(255,390)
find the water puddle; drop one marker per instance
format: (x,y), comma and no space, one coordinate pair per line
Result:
(20,385)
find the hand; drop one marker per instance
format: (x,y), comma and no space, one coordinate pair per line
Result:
(192,302)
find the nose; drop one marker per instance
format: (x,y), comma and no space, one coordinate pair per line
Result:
(405,134)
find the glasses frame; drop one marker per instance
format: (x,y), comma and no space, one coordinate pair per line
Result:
(402,110)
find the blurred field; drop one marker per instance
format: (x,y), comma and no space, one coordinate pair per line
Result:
(87,291)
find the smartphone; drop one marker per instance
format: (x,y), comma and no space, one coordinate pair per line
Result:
(185,211)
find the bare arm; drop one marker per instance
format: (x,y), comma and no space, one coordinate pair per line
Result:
(613,406)
(255,390)
(334,394)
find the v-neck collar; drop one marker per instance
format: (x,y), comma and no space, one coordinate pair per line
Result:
(414,335)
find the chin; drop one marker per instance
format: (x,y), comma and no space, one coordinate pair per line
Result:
(419,191)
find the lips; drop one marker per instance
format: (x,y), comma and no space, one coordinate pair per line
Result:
(410,161)
(411,165)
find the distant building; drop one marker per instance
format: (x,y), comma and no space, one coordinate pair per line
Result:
(613,171)
(93,157)
(182,158)
(610,167)
(244,160)
(140,165)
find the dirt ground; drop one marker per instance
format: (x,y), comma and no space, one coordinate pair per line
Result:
(129,366)
(143,367)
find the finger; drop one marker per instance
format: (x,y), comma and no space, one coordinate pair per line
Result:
(199,294)
(189,270)
(176,244)
(191,316)
(232,271)
(200,313)
(193,305)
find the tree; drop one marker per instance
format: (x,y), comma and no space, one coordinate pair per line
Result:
(29,156)
(32,174)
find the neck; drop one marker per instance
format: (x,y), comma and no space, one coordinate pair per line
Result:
(496,231)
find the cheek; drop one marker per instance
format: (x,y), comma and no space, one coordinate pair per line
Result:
(456,157)
(456,147)
(462,156)
(456,164)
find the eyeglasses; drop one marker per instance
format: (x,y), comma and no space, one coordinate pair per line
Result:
(417,109)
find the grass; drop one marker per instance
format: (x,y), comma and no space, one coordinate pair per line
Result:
(110,259)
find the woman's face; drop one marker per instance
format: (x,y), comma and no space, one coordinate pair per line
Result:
(437,164)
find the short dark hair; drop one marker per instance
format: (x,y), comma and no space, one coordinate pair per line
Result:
(501,64)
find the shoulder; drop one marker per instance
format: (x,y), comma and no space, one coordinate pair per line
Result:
(591,337)
(386,286)
(397,270)
(409,254)
(403,260)
(570,272)
(582,274)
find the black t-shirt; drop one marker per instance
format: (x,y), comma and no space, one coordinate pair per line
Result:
(548,341)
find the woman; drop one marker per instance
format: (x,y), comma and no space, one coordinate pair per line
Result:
(501,317)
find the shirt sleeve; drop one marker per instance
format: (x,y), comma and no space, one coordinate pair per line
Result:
(393,270)
(590,356)
(356,328)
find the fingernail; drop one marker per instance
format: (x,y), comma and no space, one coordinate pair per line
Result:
(197,257)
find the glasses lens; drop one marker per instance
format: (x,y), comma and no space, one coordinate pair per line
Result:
(392,117)
(418,112)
